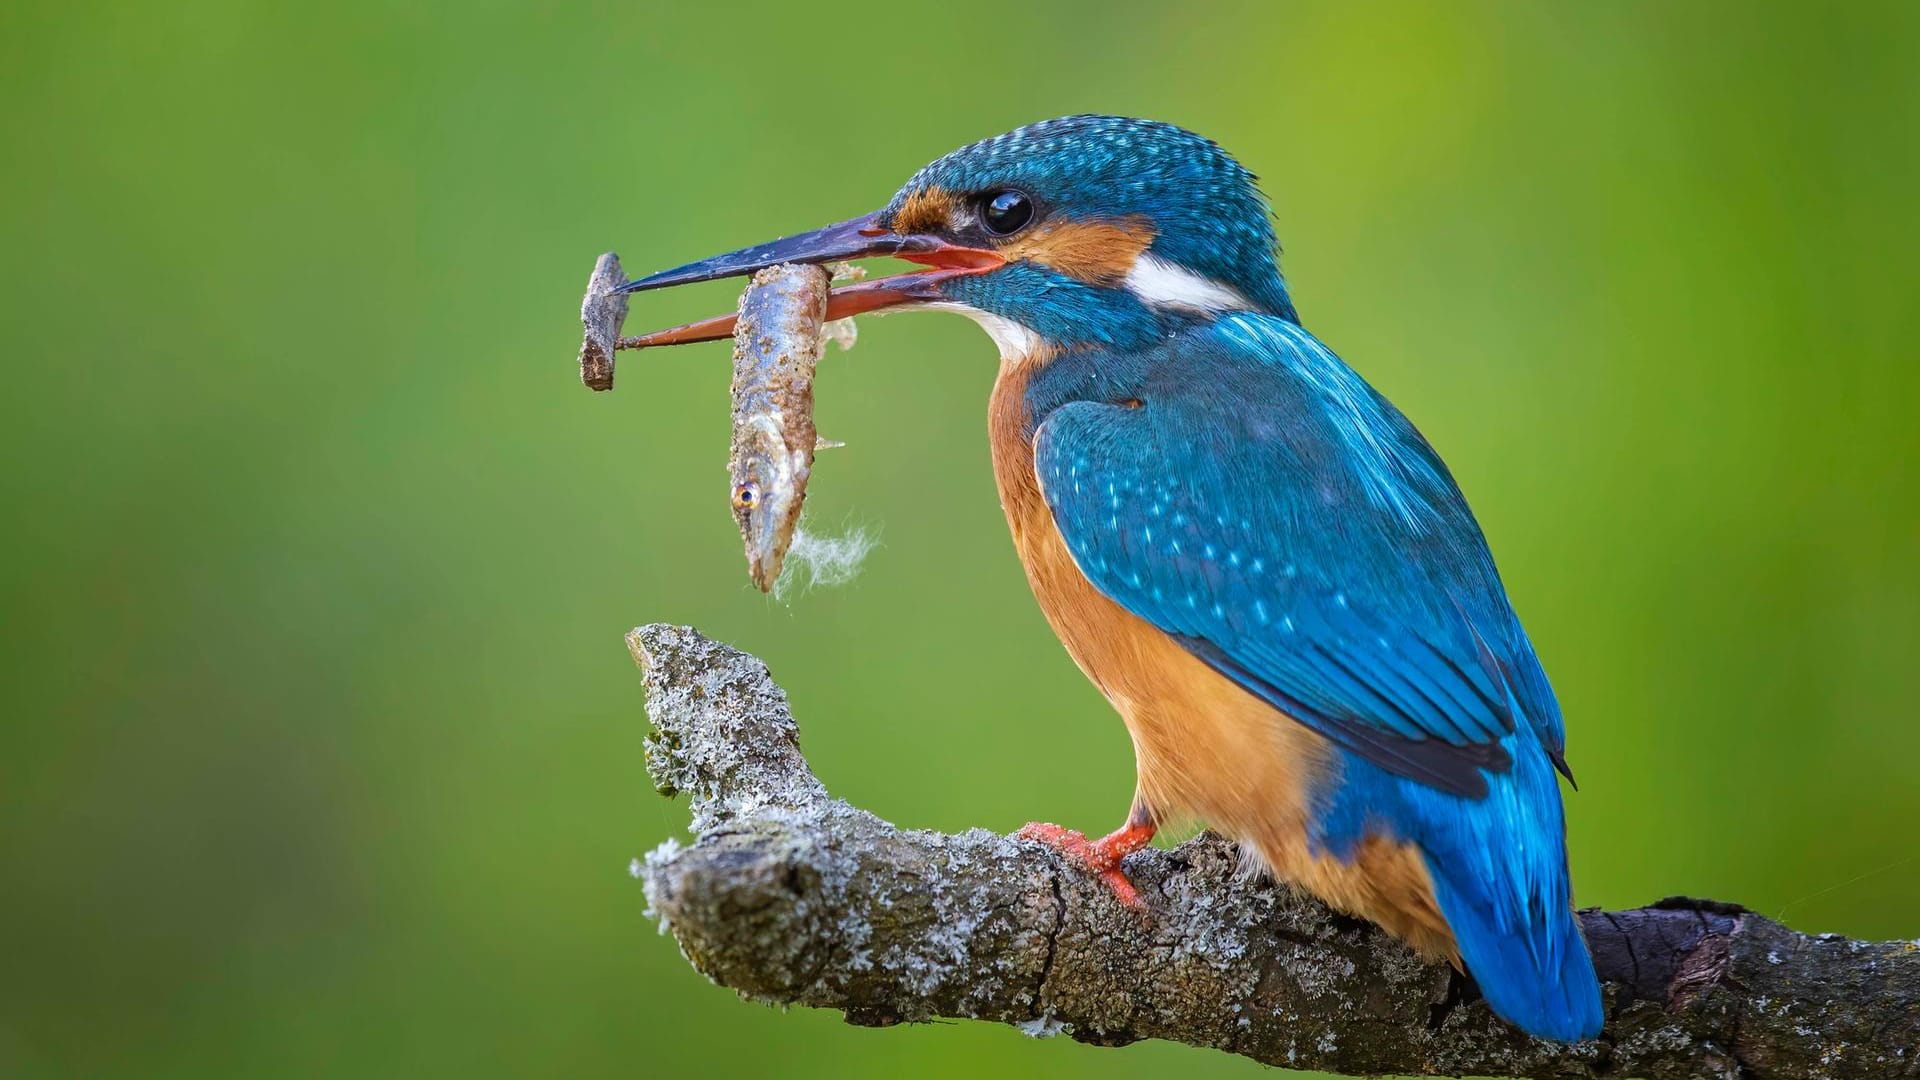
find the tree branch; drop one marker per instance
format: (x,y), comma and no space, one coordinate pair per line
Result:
(789,895)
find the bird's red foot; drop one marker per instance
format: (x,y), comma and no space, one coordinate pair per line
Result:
(1101,856)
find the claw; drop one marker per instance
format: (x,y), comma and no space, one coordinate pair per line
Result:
(1102,856)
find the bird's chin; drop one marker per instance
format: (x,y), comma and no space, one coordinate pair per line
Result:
(1015,341)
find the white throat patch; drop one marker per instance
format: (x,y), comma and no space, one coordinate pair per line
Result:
(1159,283)
(1014,341)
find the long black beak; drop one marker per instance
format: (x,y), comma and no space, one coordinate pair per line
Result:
(859,238)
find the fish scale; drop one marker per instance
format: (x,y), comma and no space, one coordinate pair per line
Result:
(776,344)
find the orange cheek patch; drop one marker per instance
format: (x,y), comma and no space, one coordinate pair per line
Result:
(1096,252)
(927,210)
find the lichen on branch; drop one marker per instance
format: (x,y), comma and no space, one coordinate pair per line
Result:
(788,895)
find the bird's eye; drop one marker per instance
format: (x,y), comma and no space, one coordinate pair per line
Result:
(1006,212)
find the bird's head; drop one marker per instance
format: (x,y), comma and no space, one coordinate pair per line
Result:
(1082,230)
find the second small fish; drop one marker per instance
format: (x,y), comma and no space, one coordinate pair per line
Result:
(776,345)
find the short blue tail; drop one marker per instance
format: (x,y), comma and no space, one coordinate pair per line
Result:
(1498,864)
(1530,959)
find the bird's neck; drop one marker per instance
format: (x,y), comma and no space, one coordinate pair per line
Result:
(1030,310)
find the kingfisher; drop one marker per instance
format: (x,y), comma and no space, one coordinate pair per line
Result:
(1260,562)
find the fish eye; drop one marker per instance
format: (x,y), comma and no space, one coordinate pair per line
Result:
(1006,212)
(744,497)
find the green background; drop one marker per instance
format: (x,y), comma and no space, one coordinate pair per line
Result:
(321,750)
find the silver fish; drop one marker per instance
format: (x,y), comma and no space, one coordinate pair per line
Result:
(776,343)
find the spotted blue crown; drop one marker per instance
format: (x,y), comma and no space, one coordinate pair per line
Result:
(1209,216)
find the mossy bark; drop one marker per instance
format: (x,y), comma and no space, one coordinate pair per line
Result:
(791,896)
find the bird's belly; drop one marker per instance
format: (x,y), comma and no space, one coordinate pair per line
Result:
(1204,748)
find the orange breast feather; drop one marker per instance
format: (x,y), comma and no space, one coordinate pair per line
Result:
(1204,748)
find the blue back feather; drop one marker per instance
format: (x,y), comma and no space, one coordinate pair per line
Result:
(1272,512)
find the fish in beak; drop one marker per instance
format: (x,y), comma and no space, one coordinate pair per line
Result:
(859,238)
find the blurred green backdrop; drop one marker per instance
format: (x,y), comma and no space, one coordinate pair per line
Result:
(321,750)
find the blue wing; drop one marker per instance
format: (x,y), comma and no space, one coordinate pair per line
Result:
(1257,500)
